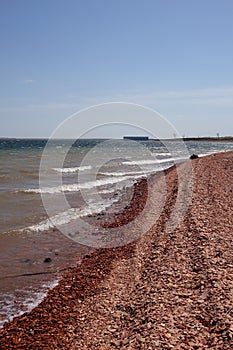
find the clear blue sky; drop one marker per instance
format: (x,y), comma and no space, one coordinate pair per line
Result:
(58,56)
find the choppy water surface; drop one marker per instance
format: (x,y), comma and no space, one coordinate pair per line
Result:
(26,233)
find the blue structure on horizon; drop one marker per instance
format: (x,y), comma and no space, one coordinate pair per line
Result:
(136,138)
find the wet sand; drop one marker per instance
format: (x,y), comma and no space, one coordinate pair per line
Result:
(170,289)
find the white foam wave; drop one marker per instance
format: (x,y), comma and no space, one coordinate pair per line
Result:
(69,216)
(204,154)
(208,153)
(11,308)
(151,161)
(111,190)
(73,169)
(129,173)
(77,186)
(162,153)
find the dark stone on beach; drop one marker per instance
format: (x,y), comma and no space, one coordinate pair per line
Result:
(120,308)
(87,256)
(47,260)
(194,156)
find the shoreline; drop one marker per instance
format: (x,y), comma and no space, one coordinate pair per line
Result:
(164,290)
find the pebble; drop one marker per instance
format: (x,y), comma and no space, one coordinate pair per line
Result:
(147,276)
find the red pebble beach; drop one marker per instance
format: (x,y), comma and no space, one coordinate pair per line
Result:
(167,290)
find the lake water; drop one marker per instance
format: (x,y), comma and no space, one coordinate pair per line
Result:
(90,176)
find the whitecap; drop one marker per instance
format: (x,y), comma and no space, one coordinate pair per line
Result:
(77,186)
(73,169)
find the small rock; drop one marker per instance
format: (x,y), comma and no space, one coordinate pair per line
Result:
(194,156)
(116,343)
(141,339)
(125,341)
(111,329)
(47,260)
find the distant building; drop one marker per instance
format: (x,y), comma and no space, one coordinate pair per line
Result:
(136,138)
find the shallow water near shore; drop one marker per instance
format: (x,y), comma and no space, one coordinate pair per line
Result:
(28,237)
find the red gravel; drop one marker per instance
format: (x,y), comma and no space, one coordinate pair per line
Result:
(168,290)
